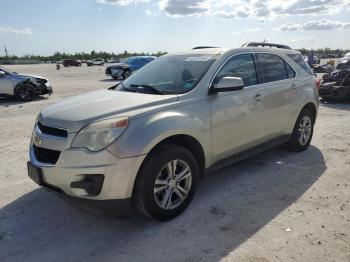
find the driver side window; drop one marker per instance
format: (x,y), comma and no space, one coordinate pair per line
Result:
(239,66)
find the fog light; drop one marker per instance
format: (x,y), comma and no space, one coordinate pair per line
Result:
(91,183)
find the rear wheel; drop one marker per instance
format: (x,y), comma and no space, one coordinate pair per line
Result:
(25,92)
(166,183)
(303,131)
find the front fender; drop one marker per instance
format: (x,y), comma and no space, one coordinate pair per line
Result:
(144,133)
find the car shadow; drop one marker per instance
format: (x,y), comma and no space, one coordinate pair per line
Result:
(230,206)
(10,101)
(340,105)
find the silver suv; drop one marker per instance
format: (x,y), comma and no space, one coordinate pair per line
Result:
(150,138)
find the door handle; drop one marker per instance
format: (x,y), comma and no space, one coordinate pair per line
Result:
(294,86)
(258,97)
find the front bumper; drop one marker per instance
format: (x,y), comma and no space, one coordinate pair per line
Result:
(46,88)
(74,165)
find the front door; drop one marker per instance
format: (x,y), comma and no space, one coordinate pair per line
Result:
(238,117)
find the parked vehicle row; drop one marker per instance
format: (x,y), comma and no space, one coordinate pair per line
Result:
(149,139)
(22,86)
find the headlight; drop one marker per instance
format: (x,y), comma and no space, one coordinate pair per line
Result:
(98,135)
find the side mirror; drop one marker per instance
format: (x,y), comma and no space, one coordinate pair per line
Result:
(2,74)
(227,84)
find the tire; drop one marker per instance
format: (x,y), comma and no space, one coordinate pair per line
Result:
(25,92)
(303,131)
(162,201)
(126,74)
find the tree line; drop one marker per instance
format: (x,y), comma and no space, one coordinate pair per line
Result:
(57,56)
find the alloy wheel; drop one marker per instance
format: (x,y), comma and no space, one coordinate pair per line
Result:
(172,184)
(304,131)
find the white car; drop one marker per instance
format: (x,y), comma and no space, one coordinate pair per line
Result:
(345,58)
(96,62)
(23,87)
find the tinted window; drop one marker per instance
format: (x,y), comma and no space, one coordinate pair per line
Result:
(290,71)
(239,66)
(271,68)
(301,62)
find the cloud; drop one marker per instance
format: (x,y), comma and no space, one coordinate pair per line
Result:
(252,30)
(257,9)
(302,40)
(121,2)
(324,24)
(148,12)
(184,7)
(14,31)
(260,9)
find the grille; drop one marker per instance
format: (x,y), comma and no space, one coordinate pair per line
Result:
(53,131)
(47,156)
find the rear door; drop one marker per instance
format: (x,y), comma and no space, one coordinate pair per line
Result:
(280,87)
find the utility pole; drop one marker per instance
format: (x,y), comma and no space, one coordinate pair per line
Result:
(6,51)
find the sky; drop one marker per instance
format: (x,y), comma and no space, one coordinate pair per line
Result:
(42,27)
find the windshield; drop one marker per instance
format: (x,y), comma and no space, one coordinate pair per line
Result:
(171,74)
(126,60)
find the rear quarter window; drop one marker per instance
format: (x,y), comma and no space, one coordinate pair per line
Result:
(297,58)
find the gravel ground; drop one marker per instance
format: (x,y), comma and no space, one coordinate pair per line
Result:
(276,206)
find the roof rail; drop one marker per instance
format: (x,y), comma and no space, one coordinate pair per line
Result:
(263,44)
(203,47)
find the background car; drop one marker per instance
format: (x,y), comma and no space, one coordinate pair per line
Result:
(126,67)
(345,58)
(96,62)
(112,60)
(71,62)
(23,87)
(345,65)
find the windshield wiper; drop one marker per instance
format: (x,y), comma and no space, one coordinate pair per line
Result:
(152,88)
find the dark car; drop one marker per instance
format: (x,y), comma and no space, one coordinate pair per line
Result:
(336,86)
(126,67)
(71,62)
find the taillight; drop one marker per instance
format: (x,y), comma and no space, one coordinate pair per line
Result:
(317,84)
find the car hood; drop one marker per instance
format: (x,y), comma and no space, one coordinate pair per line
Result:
(119,65)
(78,111)
(32,76)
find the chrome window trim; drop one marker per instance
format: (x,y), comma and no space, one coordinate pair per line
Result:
(252,53)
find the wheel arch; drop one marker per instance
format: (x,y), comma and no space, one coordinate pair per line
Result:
(312,107)
(188,142)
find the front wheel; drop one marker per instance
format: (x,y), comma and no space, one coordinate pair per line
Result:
(303,131)
(25,92)
(166,183)
(126,74)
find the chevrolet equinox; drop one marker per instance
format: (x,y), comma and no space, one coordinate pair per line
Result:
(149,139)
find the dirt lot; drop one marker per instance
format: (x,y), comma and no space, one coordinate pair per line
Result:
(276,206)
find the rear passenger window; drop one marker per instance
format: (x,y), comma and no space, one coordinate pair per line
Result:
(290,71)
(272,68)
(300,61)
(239,66)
